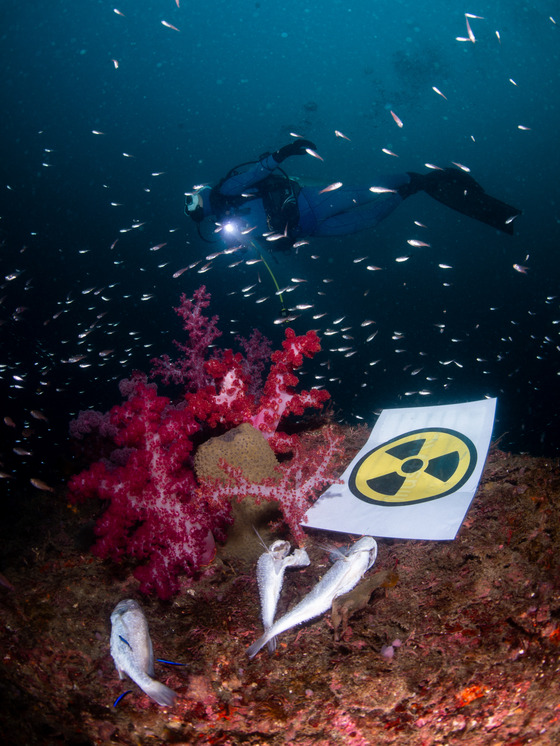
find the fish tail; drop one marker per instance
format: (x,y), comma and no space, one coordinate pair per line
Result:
(256,646)
(157,691)
(162,694)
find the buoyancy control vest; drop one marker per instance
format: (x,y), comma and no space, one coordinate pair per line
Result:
(279,195)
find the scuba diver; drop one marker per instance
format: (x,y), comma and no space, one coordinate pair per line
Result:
(261,202)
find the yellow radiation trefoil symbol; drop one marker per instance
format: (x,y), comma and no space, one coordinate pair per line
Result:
(415,467)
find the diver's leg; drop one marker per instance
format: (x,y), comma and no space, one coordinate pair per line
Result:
(359,217)
(350,209)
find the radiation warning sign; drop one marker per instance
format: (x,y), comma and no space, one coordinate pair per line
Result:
(416,475)
(420,465)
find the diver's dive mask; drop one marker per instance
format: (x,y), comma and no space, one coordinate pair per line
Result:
(194,207)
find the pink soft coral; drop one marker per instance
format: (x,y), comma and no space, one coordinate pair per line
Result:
(155,512)
(202,332)
(228,402)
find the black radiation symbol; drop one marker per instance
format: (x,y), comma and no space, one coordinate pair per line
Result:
(418,466)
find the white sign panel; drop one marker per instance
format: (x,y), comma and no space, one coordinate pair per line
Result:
(415,477)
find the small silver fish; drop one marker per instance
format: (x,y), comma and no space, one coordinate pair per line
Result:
(341,578)
(270,576)
(131,648)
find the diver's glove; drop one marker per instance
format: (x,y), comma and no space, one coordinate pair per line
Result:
(297,147)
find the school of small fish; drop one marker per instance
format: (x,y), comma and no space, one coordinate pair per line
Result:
(85,334)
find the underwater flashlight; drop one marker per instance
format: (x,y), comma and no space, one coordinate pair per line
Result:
(230,227)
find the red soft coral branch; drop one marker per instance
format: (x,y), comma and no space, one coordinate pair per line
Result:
(279,397)
(227,401)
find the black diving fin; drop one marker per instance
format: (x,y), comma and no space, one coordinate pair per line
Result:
(458,190)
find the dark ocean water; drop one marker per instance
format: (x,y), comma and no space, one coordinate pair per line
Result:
(181,107)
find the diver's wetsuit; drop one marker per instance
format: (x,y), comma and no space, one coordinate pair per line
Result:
(346,210)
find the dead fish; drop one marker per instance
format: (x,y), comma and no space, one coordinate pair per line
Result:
(341,578)
(270,576)
(131,648)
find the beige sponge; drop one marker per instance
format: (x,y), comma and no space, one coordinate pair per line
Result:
(243,447)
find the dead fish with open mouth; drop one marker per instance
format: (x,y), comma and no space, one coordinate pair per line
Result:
(270,576)
(341,578)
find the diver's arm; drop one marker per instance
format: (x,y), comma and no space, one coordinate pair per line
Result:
(238,183)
